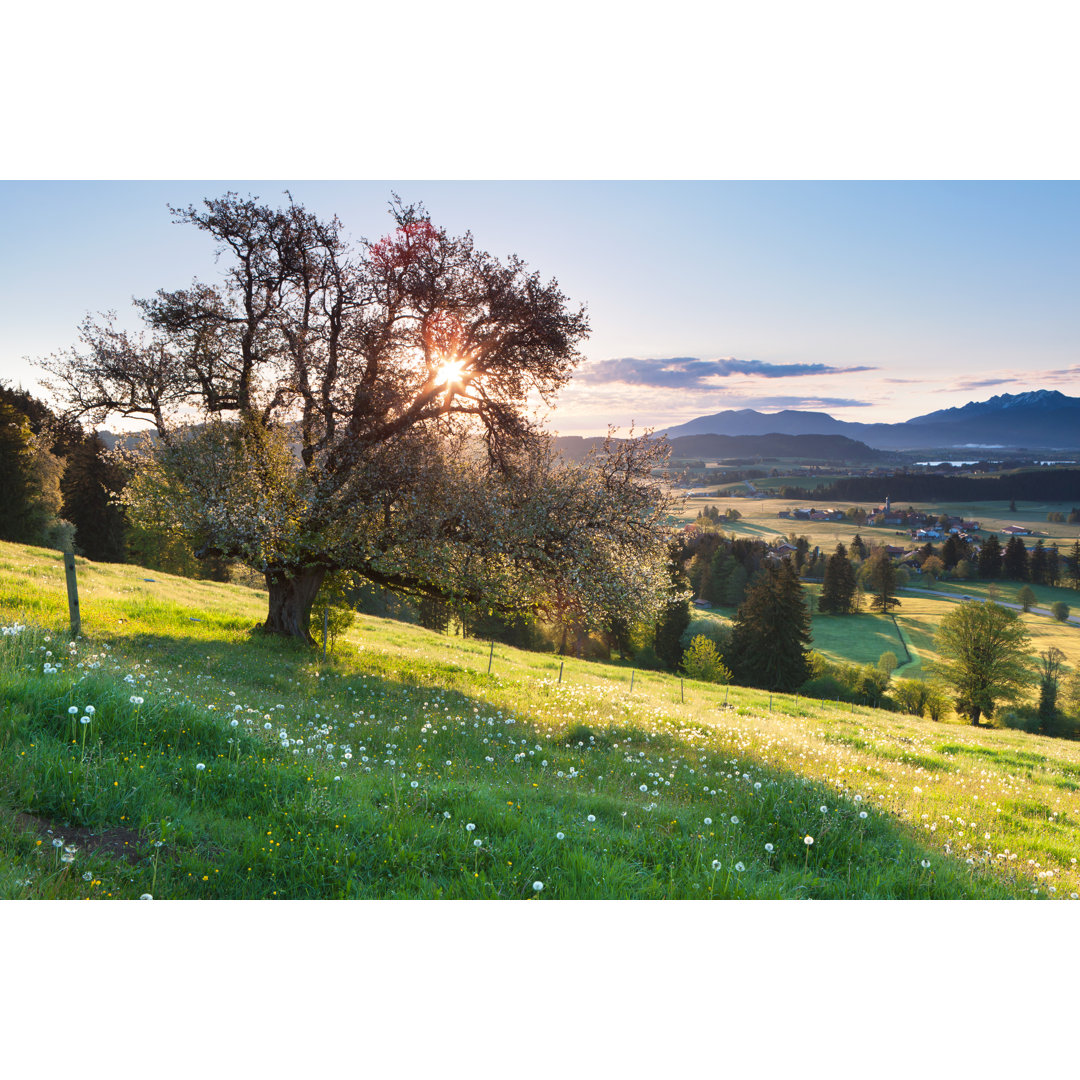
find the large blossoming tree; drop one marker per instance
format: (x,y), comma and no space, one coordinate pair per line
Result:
(364,408)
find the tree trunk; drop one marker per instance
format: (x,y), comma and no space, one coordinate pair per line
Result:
(292,592)
(976,712)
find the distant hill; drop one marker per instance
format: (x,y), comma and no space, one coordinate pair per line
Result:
(812,447)
(1038,419)
(718,447)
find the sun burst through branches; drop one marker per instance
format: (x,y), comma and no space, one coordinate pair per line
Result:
(451,373)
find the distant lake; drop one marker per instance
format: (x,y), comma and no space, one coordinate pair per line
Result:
(960,464)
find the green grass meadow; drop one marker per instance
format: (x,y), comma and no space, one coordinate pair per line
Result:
(401,768)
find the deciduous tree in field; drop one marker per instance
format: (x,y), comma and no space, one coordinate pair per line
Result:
(365,408)
(983,650)
(882,578)
(933,567)
(1051,661)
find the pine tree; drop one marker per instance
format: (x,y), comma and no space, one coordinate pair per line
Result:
(1072,561)
(772,632)
(719,570)
(675,619)
(990,558)
(1015,560)
(1037,564)
(1053,565)
(16,476)
(839,584)
(858,547)
(734,588)
(89,483)
(953,550)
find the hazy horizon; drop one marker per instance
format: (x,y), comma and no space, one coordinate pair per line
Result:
(871,301)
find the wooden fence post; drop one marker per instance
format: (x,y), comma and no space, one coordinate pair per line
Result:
(631,680)
(682,699)
(491,654)
(73,593)
(561,662)
(325,628)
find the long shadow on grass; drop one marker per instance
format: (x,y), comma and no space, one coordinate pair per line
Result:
(273,816)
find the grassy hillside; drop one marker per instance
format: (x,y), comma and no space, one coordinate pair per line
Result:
(401,768)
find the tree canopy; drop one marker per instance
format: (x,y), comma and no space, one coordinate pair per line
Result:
(330,406)
(983,650)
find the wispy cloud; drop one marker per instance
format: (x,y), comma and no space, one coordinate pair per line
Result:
(1027,380)
(967,385)
(688,372)
(1059,375)
(795,402)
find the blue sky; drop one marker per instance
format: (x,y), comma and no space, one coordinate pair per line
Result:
(874,301)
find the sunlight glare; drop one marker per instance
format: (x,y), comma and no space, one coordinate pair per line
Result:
(451,373)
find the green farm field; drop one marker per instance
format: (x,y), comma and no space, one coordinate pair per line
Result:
(862,638)
(760,520)
(401,768)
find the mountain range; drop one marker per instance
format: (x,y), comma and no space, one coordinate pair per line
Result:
(1038,419)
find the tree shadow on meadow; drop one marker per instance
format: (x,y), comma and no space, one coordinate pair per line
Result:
(850,857)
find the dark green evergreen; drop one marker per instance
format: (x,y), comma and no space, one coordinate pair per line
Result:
(18,519)
(771,634)
(839,585)
(89,485)
(1015,560)
(990,558)
(1037,563)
